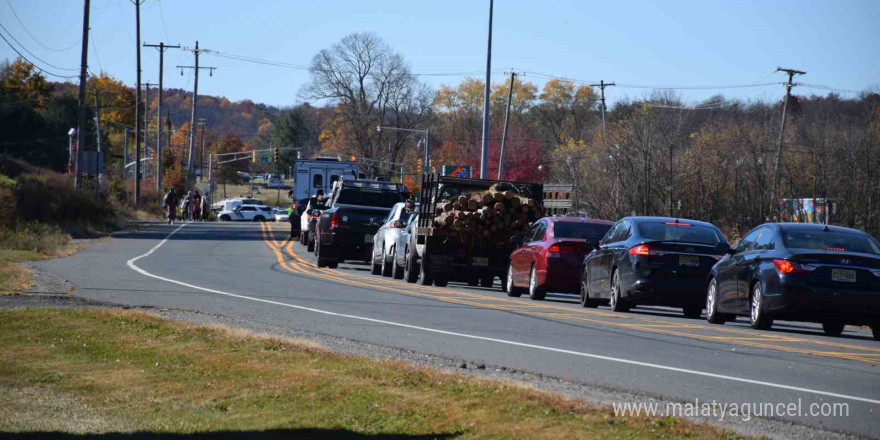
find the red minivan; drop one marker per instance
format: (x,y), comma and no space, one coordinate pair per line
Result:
(550,255)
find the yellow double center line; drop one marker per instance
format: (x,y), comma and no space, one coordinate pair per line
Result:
(744,337)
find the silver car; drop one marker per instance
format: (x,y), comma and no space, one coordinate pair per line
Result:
(401,247)
(386,238)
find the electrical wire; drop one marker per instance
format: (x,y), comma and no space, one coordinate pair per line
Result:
(31,62)
(8,3)
(95,49)
(830,89)
(32,54)
(162,19)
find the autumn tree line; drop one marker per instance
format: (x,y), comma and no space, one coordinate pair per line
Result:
(658,156)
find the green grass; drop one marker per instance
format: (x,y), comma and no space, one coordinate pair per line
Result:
(101,371)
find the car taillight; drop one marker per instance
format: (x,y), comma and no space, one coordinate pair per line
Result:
(334,220)
(676,224)
(838,249)
(641,250)
(557,250)
(786,267)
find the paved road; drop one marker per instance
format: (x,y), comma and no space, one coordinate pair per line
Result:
(245,270)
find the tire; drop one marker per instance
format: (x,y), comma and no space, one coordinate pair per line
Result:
(426,278)
(712,314)
(536,292)
(322,262)
(375,269)
(225,218)
(692,312)
(875,329)
(586,301)
(310,242)
(512,290)
(386,267)
(441,282)
(487,282)
(833,328)
(304,237)
(411,269)
(396,270)
(618,304)
(259,219)
(757,318)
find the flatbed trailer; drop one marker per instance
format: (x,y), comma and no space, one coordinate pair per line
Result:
(448,255)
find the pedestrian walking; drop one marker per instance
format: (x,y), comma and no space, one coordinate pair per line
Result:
(187,206)
(197,206)
(206,207)
(169,203)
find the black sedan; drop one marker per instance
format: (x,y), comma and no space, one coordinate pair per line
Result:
(799,272)
(653,261)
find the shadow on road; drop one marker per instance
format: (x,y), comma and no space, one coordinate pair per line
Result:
(275,434)
(198,231)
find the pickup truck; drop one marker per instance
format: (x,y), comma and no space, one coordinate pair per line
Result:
(356,210)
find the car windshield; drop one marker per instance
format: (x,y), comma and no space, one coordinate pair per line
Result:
(830,241)
(681,231)
(586,231)
(364,197)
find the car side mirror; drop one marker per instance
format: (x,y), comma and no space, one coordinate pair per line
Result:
(397,224)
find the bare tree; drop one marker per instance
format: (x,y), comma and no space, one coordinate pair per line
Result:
(371,85)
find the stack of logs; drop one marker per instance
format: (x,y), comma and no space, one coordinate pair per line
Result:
(493,212)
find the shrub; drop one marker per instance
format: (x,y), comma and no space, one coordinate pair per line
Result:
(33,236)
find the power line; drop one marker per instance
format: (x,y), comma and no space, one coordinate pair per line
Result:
(31,62)
(830,89)
(254,60)
(95,48)
(8,3)
(32,54)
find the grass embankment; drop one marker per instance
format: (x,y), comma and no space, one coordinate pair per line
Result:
(39,211)
(102,371)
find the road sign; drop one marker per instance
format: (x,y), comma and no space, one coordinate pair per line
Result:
(265,159)
(457,170)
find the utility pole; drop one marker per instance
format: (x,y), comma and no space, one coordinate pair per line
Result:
(506,123)
(788,85)
(484,149)
(203,123)
(81,126)
(195,106)
(161,46)
(602,84)
(99,162)
(137,107)
(147,121)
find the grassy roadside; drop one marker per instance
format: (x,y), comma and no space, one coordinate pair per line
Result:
(104,371)
(28,243)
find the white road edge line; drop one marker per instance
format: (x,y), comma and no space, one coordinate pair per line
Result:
(133,266)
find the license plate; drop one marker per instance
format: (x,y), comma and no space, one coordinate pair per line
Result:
(368,238)
(480,261)
(843,275)
(689,260)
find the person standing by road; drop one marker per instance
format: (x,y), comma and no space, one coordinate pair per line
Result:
(197,206)
(169,202)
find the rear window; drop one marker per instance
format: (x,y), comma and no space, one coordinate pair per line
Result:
(683,232)
(364,197)
(586,231)
(830,240)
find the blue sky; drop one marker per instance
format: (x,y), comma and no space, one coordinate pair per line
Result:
(634,42)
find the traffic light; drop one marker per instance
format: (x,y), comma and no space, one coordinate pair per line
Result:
(254,156)
(276,155)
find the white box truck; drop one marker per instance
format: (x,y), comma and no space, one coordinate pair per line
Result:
(313,174)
